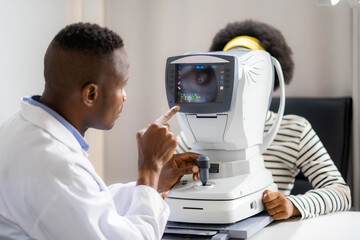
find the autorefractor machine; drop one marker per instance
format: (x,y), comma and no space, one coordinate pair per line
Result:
(224,99)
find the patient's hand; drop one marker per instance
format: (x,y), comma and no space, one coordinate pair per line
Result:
(278,206)
(175,168)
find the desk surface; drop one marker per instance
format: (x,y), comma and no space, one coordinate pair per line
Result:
(340,225)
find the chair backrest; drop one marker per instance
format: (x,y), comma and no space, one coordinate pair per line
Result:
(331,120)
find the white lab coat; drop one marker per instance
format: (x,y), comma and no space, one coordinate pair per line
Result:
(50,190)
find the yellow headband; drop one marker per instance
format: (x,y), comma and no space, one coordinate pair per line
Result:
(244,41)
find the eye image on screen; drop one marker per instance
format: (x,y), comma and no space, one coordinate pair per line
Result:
(197,84)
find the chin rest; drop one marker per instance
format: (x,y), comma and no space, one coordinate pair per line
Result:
(331,120)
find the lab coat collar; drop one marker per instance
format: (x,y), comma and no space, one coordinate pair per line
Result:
(34,100)
(48,123)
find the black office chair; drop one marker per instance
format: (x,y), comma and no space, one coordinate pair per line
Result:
(331,120)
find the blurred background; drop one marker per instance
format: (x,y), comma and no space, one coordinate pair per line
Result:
(324,40)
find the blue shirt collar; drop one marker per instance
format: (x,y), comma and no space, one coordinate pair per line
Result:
(34,100)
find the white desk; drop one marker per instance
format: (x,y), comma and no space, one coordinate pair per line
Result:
(340,226)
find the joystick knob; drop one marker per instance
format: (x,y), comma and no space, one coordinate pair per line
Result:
(203,162)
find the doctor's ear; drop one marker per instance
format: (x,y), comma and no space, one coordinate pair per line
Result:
(90,94)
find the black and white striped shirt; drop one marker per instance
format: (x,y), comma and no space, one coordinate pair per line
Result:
(295,148)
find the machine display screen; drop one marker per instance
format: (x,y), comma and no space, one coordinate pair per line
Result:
(199,83)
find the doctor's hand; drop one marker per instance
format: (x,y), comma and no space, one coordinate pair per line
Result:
(156,145)
(278,206)
(178,166)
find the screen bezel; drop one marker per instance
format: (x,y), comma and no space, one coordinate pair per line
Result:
(208,59)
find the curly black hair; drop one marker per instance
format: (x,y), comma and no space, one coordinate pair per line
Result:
(88,38)
(269,37)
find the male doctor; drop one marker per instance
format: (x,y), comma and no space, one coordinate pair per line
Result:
(48,187)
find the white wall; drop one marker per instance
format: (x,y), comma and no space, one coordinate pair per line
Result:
(154,30)
(26,31)
(27,27)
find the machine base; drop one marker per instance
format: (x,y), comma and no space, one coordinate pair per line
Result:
(217,211)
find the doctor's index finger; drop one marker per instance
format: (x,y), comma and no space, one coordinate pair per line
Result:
(166,116)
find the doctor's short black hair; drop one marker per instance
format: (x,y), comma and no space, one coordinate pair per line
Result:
(270,38)
(79,54)
(88,38)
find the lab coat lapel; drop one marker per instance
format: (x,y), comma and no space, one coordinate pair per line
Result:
(48,123)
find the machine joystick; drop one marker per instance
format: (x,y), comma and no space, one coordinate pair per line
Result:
(203,162)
